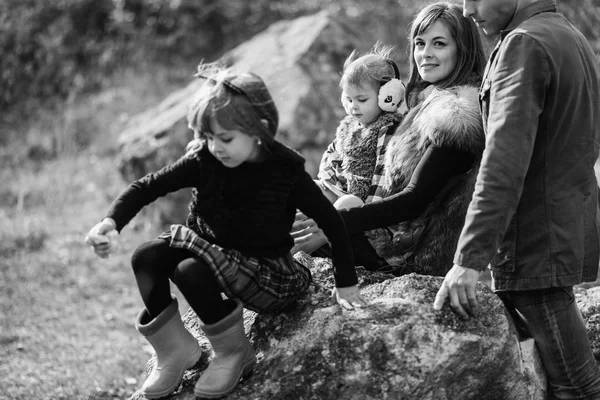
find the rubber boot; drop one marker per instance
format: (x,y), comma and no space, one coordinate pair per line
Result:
(234,356)
(176,350)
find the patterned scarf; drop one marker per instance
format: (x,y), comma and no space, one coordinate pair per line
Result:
(354,162)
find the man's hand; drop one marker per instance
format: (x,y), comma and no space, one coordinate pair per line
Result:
(459,284)
(348,297)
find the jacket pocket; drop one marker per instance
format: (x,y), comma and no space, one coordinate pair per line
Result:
(503,262)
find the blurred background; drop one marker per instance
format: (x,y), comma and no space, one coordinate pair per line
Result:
(73,75)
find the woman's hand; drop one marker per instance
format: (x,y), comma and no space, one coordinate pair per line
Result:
(103,237)
(307,235)
(348,297)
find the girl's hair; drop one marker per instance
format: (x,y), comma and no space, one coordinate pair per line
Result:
(373,68)
(470,61)
(236,100)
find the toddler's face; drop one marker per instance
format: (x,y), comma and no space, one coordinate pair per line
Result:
(231,147)
(361,103)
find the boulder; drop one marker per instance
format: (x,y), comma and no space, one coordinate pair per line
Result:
(300,61)
(588,301)
(396,348)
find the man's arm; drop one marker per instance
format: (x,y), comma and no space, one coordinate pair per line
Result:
(517,94)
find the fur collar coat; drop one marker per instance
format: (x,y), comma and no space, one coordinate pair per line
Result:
(444,118)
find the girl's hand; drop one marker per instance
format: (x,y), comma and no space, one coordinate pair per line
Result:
(348,297)
(103,237)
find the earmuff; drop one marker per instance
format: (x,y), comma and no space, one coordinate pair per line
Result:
(391,91)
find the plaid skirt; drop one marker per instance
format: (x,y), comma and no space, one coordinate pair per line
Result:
(262,284)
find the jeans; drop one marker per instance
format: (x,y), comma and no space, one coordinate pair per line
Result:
(552,318)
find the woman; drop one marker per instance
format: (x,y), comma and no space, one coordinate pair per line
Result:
(431,162)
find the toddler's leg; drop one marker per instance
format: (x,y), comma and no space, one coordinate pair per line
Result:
(160,323)
(198,284)
(223,323)
(153,264)
(348,201)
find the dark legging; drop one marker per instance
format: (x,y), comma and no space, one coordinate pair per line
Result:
(155,263)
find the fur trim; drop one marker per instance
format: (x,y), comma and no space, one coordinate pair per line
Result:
(357,147)
(452,118)
(449,117)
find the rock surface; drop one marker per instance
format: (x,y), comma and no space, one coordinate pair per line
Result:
(589,304)
(300,61)
(396,348)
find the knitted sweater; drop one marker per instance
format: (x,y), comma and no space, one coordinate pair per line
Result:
(353,162)
(250,208)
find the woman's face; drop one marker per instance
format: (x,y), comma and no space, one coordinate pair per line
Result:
(435,53)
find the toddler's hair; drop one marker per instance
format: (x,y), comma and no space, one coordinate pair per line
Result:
(238,101)
(372,68)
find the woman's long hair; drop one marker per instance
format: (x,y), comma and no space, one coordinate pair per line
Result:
(470,60)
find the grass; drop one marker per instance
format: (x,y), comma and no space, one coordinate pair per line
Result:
(67,316)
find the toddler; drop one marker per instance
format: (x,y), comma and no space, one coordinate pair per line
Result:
(246,189)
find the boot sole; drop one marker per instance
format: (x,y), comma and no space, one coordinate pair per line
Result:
(166,392)
(245,373)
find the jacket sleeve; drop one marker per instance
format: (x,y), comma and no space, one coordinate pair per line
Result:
(516,89)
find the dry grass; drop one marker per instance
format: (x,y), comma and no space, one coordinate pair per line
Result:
(66,316)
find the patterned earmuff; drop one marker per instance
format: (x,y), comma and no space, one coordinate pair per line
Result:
(391,92)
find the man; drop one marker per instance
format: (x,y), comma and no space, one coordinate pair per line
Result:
(533,212)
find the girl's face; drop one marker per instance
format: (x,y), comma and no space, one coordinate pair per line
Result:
(435,53)
(361,103)
(231,147)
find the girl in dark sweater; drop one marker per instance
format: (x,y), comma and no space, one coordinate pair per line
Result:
(247,187)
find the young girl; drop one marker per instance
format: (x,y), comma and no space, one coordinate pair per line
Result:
(371,96)
(247,187)
(352,166)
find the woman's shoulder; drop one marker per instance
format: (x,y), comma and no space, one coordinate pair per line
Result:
(453,95)
(452,117)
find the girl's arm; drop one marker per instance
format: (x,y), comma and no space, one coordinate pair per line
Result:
(181,174)
(437,166)
(311,201)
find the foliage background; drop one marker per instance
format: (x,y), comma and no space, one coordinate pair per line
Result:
(72,73)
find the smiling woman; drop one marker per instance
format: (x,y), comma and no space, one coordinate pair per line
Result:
(432,158)
(435,52)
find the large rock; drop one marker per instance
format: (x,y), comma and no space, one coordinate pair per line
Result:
(396,348)
(589,304)
(300,61)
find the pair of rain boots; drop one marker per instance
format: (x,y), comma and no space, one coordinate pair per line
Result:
(177,350)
